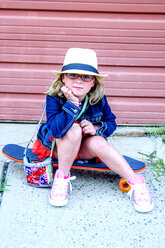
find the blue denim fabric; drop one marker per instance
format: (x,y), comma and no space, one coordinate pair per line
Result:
(62,113)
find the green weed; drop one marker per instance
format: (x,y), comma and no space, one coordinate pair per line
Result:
(157,130)
(163,138)
(156,164)
(3,186)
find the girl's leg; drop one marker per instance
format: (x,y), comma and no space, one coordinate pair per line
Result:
(66,151)
(68,147)
(97,146)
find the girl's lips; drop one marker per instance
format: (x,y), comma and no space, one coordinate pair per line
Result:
(77,87)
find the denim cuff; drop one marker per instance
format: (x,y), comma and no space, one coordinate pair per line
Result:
(102,127)
(71,109)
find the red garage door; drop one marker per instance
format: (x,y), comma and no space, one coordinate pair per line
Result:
(128,36)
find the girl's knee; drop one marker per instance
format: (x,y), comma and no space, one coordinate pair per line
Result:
(97,143)
(75,132)
(92,146)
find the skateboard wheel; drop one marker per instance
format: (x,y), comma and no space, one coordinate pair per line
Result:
(124,185)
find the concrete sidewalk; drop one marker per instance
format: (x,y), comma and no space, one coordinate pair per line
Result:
(98,214)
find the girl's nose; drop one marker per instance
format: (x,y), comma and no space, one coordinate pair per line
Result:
(79,80)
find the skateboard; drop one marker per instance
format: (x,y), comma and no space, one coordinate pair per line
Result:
(15,152)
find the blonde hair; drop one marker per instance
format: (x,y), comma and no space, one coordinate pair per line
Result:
(95,94)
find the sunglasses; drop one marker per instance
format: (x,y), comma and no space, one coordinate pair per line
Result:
(85,78)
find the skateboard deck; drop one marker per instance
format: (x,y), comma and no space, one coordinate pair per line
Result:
(15,153)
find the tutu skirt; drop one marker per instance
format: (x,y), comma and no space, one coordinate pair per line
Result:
(39,150)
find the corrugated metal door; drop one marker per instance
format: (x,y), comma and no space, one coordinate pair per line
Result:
(128,36)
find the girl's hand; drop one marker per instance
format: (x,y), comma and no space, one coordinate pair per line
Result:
(69,95)
(88,127)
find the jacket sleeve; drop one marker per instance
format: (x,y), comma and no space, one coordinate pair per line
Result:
(107,124)
(60,117)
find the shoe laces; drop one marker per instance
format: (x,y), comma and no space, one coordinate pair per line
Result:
(140,192)
(60,185)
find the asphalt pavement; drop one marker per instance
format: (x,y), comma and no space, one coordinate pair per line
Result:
(98,214)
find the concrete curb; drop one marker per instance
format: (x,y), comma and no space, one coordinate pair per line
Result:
(132,131)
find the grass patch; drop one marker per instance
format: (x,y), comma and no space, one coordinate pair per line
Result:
(157,130)
(163,138)
(156,164)
(3,186)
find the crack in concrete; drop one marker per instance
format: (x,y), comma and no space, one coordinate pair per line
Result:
(3,179)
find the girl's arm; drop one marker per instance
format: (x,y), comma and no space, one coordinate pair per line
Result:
(60,117)
(107,125)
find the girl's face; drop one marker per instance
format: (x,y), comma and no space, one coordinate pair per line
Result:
(80,85)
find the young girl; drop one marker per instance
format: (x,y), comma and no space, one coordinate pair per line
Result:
(86,137)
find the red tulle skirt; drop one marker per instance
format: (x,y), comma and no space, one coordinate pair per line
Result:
(41,152)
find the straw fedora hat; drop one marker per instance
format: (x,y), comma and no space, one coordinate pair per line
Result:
(80,61)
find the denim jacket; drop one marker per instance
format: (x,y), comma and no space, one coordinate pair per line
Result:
(62,113)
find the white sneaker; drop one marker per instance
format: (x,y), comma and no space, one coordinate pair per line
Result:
(59,191)
(142,198)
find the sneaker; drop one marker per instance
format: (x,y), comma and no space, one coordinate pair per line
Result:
(142,199)
(59,191)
